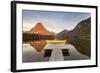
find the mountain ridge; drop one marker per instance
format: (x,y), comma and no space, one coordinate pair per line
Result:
(75,32)
(39,29)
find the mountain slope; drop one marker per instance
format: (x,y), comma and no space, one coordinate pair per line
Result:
(80,37)
(38,32)
(62,35)
(39,29)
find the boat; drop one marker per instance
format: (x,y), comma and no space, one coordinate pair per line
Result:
(56,41)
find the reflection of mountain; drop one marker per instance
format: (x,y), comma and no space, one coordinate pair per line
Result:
(38,45)
(79,36)
(39,29)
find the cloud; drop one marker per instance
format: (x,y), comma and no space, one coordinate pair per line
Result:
(53,21)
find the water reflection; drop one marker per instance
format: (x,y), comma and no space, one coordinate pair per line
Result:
(52,52)
(38,45)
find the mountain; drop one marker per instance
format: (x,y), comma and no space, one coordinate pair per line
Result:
(39,29)
(79,36)
(62,32)
(82,27)
(62,35)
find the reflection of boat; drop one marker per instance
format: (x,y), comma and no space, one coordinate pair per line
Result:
(56,41)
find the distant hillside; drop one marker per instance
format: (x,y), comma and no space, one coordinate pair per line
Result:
(62,35)
(79,36)
(83,27)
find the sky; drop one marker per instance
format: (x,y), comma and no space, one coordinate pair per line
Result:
(52,20)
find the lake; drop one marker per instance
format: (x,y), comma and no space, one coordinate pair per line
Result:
(41,51)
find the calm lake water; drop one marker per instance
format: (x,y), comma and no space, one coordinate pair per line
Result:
(40,51)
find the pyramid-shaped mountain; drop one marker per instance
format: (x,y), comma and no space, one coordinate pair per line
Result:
(40,29)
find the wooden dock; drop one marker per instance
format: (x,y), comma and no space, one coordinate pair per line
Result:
(57,54)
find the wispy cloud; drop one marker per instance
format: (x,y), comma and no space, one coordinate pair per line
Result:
(53,21)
